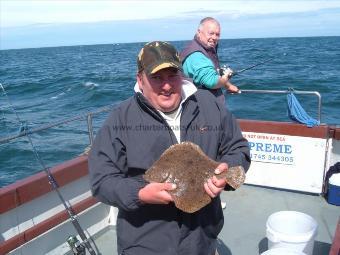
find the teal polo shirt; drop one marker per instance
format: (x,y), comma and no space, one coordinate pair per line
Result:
(201,70)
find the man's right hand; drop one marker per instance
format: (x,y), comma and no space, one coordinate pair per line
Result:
(156,193)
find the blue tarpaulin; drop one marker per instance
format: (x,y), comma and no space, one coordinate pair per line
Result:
(297,113)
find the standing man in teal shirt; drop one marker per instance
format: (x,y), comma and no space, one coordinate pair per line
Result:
(200,60)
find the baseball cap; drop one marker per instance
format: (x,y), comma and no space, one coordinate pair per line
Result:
(158,55)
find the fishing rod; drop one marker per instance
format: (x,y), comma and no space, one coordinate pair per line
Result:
(226,68)
(79,248)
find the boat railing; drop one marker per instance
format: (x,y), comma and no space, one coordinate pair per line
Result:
(264,91)
(88,116)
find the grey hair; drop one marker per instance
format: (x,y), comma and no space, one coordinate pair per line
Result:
(207,19)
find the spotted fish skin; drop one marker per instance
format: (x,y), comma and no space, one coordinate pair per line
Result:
(187,166)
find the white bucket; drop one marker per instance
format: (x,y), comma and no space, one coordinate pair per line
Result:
(291,230)
(282,251)
(335,179)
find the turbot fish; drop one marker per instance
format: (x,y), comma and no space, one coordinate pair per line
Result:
(187,166)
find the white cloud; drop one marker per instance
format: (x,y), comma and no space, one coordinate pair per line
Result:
(18,13)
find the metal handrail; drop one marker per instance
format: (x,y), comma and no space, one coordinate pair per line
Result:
(87,116)
(264,91)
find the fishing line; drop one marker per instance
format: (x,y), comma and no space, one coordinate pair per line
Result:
(72,215)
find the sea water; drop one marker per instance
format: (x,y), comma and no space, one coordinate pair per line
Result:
(45,85)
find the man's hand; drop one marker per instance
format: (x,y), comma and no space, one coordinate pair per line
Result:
(156,193)
(224,81)
(231,87)
(214,186)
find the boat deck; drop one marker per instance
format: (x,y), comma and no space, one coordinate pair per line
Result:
(247,210)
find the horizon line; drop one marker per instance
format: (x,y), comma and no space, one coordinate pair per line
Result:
(115,43)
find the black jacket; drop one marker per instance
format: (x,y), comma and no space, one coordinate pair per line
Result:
(133,137)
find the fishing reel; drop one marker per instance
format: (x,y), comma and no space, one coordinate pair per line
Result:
(226,70)
(75,245)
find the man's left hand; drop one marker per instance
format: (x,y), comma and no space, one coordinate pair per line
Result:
(232,88)
(214,186)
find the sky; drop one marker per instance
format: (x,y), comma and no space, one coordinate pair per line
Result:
(45,23)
